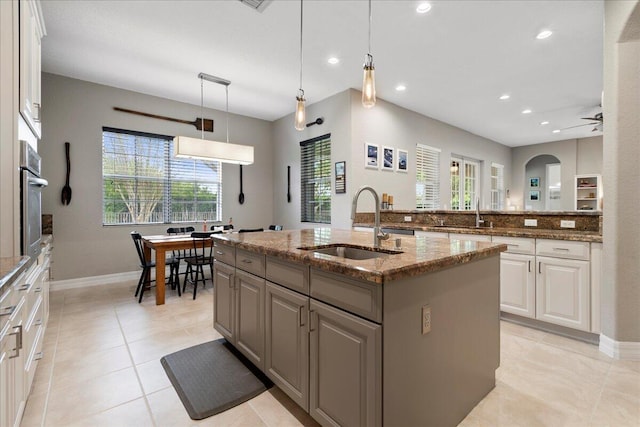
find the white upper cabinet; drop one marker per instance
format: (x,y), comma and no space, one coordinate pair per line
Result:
(31,32)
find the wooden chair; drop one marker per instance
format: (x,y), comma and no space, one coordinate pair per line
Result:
(250,230)
(145,277)
(201,255)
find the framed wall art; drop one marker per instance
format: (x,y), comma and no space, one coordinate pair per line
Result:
(341,178)
(370,156)
(534,182)
(534,195)
(403,159)
(388,156)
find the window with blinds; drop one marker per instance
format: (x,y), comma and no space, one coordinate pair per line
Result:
(315,180)
(142,183)
(497,186)
(427,177)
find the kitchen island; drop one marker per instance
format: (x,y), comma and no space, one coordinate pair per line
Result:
(371,336)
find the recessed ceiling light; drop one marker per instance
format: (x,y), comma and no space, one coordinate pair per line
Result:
(527,111)
(556,131)
(401,88)
(423,8)
(544,34)
(544,123)
(505,96)
(333,60)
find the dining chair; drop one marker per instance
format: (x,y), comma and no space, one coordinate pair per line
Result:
(145,277)
(180,254)
(201,255)
(250,230)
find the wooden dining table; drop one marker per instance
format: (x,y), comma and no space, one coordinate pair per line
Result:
(161,244)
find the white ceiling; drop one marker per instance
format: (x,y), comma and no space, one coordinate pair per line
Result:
(455,60)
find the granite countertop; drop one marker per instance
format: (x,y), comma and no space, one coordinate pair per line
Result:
(11,267)
(417,256)
(580,236)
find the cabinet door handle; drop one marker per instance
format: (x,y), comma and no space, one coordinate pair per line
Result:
(311,317)
(24,287)
(36,106)
(231,281)
(9,309)
(38,355)
(540,267)
(18,335)
(529,266)
(219,253)
(38,289)
(37,322)
(247,261)
(301,316)
(513,245)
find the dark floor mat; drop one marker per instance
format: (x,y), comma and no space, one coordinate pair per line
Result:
(213,377)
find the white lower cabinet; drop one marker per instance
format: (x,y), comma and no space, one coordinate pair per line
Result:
(562,290)
(345,368)
(518,284)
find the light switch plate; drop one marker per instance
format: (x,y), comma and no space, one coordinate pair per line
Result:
(567,224)
(530,222)
(407,219)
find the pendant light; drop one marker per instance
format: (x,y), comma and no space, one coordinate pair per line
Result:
(202,149)
(369,78)
(300,115)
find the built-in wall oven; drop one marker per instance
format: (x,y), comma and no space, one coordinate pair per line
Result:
(31,186)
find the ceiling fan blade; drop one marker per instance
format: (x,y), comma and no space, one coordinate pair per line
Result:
(577,126)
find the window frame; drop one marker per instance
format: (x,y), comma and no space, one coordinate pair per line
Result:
(314,186)
(166,178)
(497,190)
(464,164)
(427,166)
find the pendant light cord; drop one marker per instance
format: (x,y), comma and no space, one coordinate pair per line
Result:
(369,27)
(202,107)
(301,10)
(226,90)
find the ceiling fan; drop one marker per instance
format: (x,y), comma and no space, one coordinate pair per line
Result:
(597,123)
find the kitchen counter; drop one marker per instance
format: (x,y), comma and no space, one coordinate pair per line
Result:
(417,256)
(538,233)
(11,267)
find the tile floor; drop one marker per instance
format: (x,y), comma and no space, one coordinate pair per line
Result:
(101,368)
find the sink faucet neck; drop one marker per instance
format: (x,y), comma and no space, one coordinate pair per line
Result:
(377,234)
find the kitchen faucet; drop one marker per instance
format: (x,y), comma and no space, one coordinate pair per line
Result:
(478,220)
(377,234)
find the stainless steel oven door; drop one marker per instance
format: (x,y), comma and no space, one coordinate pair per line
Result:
(31,212)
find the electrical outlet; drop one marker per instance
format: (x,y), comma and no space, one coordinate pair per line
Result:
(426,319)
(407,219)
(567,224)
(530,222)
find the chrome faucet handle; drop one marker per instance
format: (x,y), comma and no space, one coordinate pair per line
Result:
(383,236)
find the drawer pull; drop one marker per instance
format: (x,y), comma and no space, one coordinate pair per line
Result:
(561,249)
(37,322)
(24,287)
(9,309)
(38,356)
(38,289)
(513,245)
(247,261)
(18,335)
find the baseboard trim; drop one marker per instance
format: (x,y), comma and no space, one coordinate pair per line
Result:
(621,350)
(83,282)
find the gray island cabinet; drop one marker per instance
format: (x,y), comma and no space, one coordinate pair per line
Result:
(344,338)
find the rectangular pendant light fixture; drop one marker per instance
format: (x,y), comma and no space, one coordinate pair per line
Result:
(202,149)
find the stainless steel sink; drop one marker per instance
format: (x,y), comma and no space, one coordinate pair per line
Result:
(350,252)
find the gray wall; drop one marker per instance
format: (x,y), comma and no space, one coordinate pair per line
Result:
(621,234)
(76,111)
(589,156)
(386,124)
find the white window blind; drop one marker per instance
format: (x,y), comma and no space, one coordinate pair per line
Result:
(142,183)
(427,177)
(464,179)
(315,180)
(497,186)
